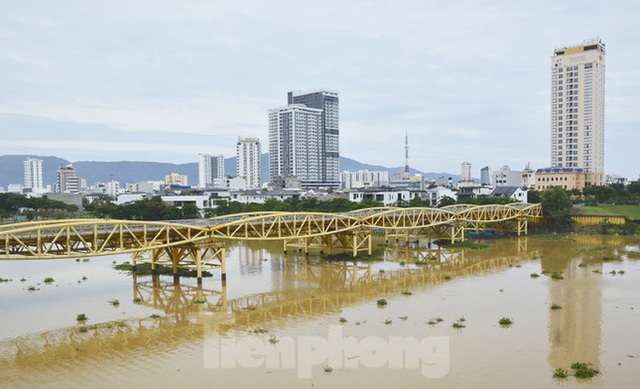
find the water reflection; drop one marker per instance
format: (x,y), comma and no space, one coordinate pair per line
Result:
(303,288)
(575,329)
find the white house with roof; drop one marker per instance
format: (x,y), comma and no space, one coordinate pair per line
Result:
(386,197)
(515,193)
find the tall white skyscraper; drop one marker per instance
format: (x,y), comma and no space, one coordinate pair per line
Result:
(210,168)
(248,164)
(295,141)
(577,109)
(32,173)
(465,171)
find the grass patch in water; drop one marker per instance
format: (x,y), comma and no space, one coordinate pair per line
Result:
(557,276)
(555,306)
(549,237)
(144,269)
(81,317)
(560,373)
(49,280)
(382,302)
(534,275)
(583,370)
(505,322)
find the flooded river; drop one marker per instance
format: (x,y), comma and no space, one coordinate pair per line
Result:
(415,316)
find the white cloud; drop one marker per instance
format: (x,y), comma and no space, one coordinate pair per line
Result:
(467,79)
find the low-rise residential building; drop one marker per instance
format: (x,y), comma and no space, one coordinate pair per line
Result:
(130,197)
(435,195)
(514,193)
(255,196)
(146,187)
(14,188)
(528,178)
(507,177)
(386,197)
(472,192)
(615,179)
(176,179)
(200,201)
(363,179)
(563,177)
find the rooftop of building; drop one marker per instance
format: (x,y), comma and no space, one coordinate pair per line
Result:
(310,91)
(294,107)
(560,170)
(586,45)
(501,191)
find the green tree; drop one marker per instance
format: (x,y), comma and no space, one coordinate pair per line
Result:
(556,206)
(446,200)
(533,196)
(190,211)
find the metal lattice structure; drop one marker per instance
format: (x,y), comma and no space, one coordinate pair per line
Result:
(201,244)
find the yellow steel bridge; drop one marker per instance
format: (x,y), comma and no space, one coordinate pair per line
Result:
(200,244)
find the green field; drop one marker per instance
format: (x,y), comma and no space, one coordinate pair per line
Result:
(630,211)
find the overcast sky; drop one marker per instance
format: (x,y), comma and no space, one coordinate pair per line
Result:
(159,80)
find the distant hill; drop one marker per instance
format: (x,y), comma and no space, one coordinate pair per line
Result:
(11,168)
(132,171)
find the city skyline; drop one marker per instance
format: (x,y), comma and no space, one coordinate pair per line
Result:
(157,82)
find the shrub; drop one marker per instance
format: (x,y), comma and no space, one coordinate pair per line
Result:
(505,321)
(561,373)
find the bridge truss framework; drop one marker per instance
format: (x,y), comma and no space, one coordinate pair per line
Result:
(201,245)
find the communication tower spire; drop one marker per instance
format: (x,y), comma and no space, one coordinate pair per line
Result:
(406,156)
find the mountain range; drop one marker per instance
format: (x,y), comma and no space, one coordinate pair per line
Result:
(11,169)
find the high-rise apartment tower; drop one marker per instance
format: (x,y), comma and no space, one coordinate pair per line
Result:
(304,139)
(248,164)
(32,174)
(577,109)
(67,180)
(210,168)
(328,152)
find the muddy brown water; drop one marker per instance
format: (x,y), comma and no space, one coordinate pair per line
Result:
(296,321)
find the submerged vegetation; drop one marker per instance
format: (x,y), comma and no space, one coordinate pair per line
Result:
(505,322)
(144,269)
(583,370)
